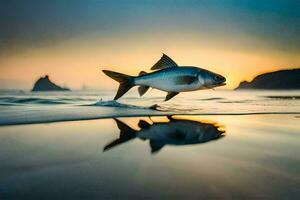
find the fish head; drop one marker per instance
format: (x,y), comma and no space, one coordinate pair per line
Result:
(210,79)
(209,132)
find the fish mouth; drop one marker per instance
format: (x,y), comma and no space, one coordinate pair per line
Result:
(220,84)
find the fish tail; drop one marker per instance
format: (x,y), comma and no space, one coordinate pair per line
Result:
(126,134)
(126,82)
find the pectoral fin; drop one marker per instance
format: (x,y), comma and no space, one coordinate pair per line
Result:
(170,95)
(181,80)
(164,62)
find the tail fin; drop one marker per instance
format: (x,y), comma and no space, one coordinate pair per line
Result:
(126,82)
(126,134)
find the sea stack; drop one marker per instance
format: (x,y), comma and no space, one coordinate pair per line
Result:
(44,84)
(278,80)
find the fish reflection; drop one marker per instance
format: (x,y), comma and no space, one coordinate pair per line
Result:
(173,132)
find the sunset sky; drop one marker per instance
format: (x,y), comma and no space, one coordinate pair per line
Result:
(73,40)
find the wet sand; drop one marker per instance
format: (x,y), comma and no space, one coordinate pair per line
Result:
(232,157)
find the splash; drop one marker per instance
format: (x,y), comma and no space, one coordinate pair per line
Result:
(116,104)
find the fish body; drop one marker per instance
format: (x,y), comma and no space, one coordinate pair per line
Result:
(175,132)
(168,77)
(176,79)
(179,132)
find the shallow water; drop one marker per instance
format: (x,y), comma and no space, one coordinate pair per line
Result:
(41,107)
(252,157)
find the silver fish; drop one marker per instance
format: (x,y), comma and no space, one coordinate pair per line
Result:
(174,132)
(168,77)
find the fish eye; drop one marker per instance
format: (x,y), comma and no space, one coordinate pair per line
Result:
(217,78)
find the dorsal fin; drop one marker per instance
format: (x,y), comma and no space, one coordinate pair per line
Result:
(164,62)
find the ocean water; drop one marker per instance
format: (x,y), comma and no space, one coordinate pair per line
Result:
(199,145)
(41,107)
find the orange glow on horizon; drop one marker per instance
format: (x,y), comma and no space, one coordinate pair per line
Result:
(75,63)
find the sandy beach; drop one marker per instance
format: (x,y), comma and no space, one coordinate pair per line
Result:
(257,157)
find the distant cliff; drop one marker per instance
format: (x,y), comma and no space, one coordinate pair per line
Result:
(44,84)
(278,80)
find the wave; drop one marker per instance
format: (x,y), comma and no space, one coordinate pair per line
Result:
(48,114)
(107,109)
(284,97)
(238,101)
(21,109)
(175,108)
(31,100)
(212,99)
(116,104)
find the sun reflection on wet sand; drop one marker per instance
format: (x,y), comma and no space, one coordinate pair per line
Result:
(169,130)
(65,160)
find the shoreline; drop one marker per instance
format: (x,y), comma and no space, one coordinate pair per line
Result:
(146,115)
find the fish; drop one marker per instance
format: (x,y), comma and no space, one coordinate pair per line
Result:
(174,132)
(169,77)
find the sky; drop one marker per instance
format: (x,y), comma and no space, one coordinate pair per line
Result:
(72,41)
